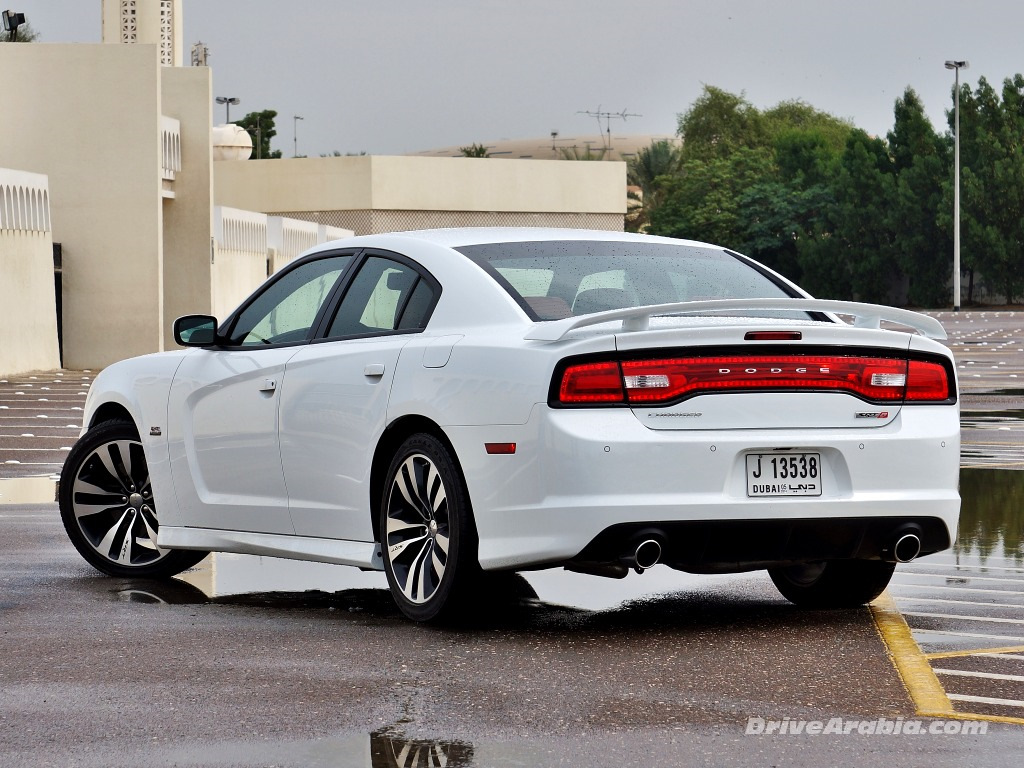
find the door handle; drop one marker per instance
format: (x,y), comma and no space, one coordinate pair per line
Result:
(269,385)
(374,370)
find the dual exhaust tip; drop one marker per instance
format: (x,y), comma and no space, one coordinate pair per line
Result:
(646,555)
(906,547)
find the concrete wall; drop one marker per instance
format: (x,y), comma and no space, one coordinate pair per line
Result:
(28,320)
(370,194)
(88,116)
(188,216)
(240,257)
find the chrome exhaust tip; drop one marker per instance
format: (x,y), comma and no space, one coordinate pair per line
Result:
(647,554)
(906,548)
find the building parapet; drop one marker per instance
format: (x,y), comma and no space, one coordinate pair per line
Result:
(24,201)
(170,157)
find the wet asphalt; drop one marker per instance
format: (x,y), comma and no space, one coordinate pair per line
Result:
(257,662)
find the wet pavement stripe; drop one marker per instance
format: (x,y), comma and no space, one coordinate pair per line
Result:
(961,617)
(950,588)
(984,675)
(958,602)
(923,686)
(1005,652)
(988,700)
(954,633)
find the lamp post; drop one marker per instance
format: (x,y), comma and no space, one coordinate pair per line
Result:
(295,133)
(227,101)
(12,21)
(956,66)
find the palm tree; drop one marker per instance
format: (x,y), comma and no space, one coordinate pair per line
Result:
(661,158)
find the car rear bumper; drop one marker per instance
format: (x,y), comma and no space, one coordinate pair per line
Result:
(577,473)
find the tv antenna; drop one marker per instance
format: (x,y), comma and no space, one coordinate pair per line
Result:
(600,115)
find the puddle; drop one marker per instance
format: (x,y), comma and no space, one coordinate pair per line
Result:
(991,526)
(991,514)
(252,579)
(28,490)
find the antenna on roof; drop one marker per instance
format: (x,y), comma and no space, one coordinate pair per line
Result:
(607,117)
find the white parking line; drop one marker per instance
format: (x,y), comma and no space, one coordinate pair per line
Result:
(1011,638)
(964,569)
(911,599)
(964,575)
(1002,656)
(985,675)
(963,618)
(986,700)
(951,588)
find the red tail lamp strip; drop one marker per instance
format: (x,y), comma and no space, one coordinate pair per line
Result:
(664,380)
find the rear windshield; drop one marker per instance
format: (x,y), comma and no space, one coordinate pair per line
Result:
(552,280)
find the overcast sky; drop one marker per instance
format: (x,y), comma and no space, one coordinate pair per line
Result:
(398,76)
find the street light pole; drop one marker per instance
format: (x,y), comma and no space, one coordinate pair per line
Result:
(295,133)
(956,66)
(227,101)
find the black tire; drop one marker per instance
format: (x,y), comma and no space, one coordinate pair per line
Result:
(427,536)
(107,506)
(833,583)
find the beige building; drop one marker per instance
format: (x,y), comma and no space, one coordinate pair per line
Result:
(382,194)
(150,225)
(28,322)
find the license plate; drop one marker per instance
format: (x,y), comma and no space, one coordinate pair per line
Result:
(783,474)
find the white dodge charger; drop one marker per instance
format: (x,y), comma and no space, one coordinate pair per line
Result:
(436,404)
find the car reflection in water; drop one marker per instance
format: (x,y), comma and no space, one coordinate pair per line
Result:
(390,750)
(991,525)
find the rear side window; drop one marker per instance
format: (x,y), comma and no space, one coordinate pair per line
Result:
(384,296)
(556,279)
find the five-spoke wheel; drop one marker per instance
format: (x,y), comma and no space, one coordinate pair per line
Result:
(107,505)
(426,529)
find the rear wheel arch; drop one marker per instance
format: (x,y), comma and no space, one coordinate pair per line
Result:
(396,434)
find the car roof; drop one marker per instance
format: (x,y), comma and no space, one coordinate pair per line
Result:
(464,236)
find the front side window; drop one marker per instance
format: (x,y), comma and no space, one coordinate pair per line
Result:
(552,280)
(287,308)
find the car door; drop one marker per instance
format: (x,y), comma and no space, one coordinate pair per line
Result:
(335,397)
(223,407)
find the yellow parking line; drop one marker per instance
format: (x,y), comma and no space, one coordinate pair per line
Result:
(921,683)
(927,693)
(974,651)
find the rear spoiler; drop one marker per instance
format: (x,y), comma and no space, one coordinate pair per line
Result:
(639,318)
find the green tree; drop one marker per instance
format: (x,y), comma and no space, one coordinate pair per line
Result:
(475,150)
(643,170)
(853,258)
(922,247)
(260,126)
(720,123)
(702,201)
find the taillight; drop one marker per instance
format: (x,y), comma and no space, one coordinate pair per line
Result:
(592,383)
(664,380)
(927,381)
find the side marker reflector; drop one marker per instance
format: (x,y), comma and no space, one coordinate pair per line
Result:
(500,449)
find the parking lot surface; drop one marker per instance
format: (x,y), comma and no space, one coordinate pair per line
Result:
(254,661)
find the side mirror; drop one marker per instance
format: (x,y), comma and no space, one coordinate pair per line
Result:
(196,331)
